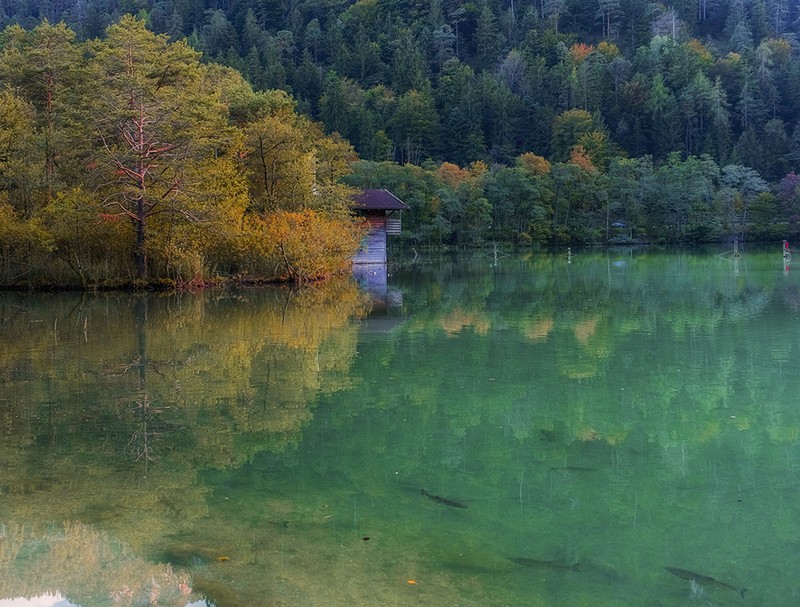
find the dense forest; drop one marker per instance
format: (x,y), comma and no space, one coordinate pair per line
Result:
(547,122)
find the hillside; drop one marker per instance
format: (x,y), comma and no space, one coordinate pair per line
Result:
(460,81)
(587,84)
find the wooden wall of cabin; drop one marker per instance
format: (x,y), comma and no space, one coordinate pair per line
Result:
(373,249)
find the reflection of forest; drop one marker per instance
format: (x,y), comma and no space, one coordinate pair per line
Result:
(112,404)
(91,567)
(598,321)
(635,370)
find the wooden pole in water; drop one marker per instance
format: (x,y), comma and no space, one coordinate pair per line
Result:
(787,256)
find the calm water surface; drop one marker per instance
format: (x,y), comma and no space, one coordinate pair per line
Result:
(537,431)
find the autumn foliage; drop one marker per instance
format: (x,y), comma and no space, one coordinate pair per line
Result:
(580,51)
(580,158)
(452,174)
(304,246)
(534,164)
(128,161)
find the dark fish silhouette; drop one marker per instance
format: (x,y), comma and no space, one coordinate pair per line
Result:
(442,500)
(538,564)
(705,580)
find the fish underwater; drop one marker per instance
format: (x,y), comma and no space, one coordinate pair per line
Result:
(442,500)
(703,580)
(542,564)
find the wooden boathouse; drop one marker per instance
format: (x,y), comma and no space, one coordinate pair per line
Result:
(382,211)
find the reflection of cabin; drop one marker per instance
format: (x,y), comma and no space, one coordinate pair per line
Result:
(382,211)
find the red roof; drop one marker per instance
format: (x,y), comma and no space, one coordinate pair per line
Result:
(379,200)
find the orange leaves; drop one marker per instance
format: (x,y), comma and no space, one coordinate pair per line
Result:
(536,165)
(305,246)
(579,157)
(580,51)
(452,174)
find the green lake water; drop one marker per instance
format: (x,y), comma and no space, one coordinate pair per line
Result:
(528,430)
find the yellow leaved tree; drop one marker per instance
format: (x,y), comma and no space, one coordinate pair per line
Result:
(304,246)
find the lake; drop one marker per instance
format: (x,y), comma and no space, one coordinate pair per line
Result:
(605,428)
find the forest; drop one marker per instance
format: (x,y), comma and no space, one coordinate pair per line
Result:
(127,161)
(548,122)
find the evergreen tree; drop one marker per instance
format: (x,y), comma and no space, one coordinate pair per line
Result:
(415,125)
(488,39)
(46,64)
(307,82)
(160,136)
